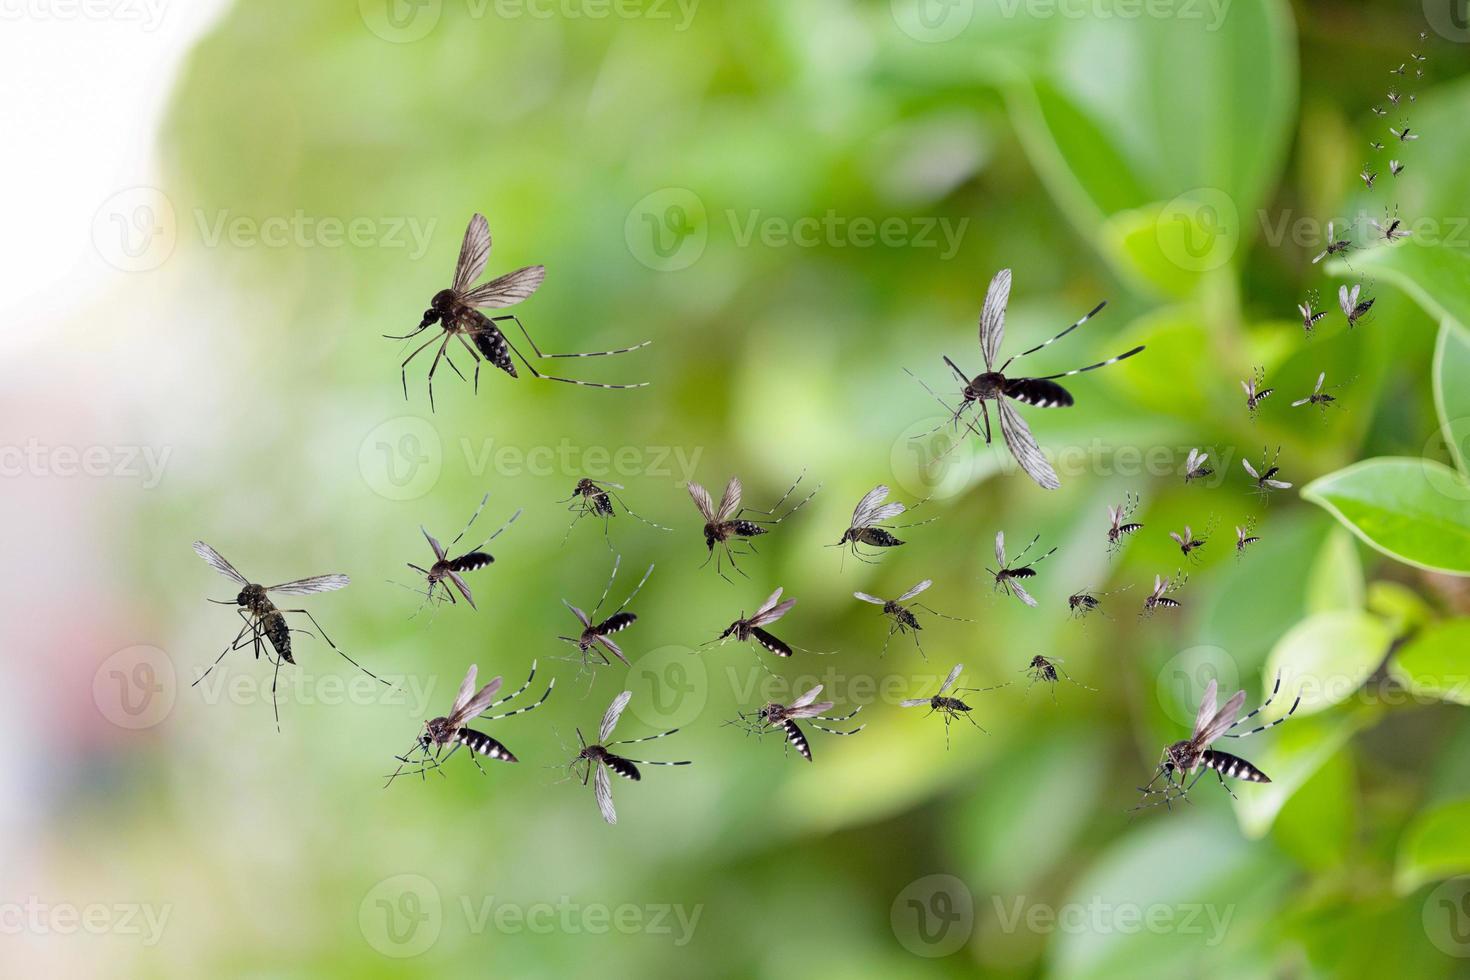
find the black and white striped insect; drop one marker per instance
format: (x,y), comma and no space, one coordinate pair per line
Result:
(1353,308)
(1245,536)
(450,730)
(729,521)
(265,623)
(1335,245)
(1393,97)
(596,636)
(457,310)
(595,498)
(1392,229)
(1085,601)
(1049,670)
(1310,314)
(1256,391)
(1375,144)
(1378,110)
(1395,167)
(901,616)
(950,707)
(994,385)
(1194,755)
(1008,574)
(748,628)
(1188,544)
(1196,465)
(447,570)
(1403,135)
(783,716)
(1121,523)
(1159,597)
(868,520)
(1368,176)
(597,760)
(1322,399)
(1265,477)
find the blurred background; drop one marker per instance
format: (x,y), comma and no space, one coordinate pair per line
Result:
(218,209)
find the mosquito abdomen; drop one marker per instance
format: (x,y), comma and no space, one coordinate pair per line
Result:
(1234,766)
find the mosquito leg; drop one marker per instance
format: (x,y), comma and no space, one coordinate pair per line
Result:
(434,367)
(474,356)
(570,381)
(335,647)
(234,645)
(537,351)
(404,366)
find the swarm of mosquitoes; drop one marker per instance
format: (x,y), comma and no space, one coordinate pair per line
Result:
(730,530)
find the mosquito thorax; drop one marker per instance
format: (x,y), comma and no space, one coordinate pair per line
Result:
(251,596)
(987,385)
(773,713)
(435,730)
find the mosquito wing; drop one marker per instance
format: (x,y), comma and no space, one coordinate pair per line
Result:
(1206,703)
(602,789)
(1278,484)
(1023,446)
(953,676)
(870,598)
(1250,469)
(611,647)
(433,543)
(1177,539)
(993,316)
(1000,548)
(915,590)
(1347,300)
(614,710)
(1197,458)
(466,690)
(307,586)
(217,560)
(807,698)
(913,702)
(474,252)
(507,290)
(476,704)
(1022,594)
(865,513)
(702,500)
(463,588)
(1221,722)
(810,710)
(578,613)
(771,611)
(730,499)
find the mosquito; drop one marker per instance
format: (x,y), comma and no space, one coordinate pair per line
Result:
(1195,464)
(1007,574)
(783,716)
(1188,543)
(1318,397)
(447,571)
(1255,392)
(1393,97)
(867,527)
(727,521)
(950,707)
(1351,306)
(1185,758)
(1335,245)
(749,628)
(595,498)
(1245,536)
(1395,167)
(1121,523)
(1378,110)
(598,760)
(596,636)
(1368,176)
(1400,70)
(1375,144)
(457,310)
(993,385)
(1049,670)
(1392,229)
(1085,601)
(1159,597)
(902,616)
(449,730)
(1404,135)
(1265,477)
(264,622)
(1310,316)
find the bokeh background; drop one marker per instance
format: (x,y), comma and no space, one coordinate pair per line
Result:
(795,202)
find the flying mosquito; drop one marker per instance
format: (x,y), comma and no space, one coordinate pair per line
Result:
(1310,316)
(457,310)
(1378,110)
(783,716)
(1395,167)
(728,521)
(994,385)
(1392,229)
(1318,397)
(1265,477)
(1400,70)
(1245,536)
(1159,597)
(1195,465)
(902,616)
(1188,543)
(596,636)
(1368,176)
(1393,97)
(1048,669)
(1121,523)
(450,729)
(595,497)
(1084,601)
(1404,135)
(868,520)
(1008,573)
(1375,144)
(749,628)
(950,707)
(1185,758)
(598,760)
(1352,308)
(1335,245)
(1255,392)
(447,571)
(265,623)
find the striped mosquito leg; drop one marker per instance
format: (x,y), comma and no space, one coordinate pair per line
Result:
(647,762)
(522,710)
(538,352)
(1264,705)
(517,691)
(646,738)
(569,381)
(1272,724)
(833,731)
(1046,343)
(850,714)
(629,511)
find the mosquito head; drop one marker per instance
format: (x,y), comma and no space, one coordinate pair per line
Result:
(585,488)
(251,596)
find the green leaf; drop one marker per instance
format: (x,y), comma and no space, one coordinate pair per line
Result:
(1316,825)
(1452,389)
(1436,662)
(1404,608)
(1326,657)
(1434,275)
(1435,846)
(1336,581)
(1413,510)
(1293,757)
